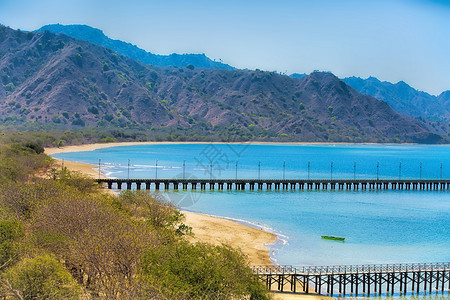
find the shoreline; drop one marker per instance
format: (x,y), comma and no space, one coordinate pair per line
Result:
(96,146)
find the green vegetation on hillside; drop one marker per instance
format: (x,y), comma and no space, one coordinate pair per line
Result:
(63,238)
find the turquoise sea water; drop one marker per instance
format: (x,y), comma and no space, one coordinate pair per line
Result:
(379,227)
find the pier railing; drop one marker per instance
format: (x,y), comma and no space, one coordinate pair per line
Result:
(351,268)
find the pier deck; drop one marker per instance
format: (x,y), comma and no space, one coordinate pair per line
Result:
(278,184)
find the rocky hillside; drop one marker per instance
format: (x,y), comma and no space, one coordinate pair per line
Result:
(96,36)
(55,79)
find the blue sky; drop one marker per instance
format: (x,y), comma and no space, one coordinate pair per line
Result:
(393,40)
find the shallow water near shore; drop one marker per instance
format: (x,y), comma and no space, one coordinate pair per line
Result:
(378,226)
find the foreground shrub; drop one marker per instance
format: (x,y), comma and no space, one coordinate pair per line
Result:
(10,232)
(158,213)
(101,246)
(201,271)
(75,180)
(42,277)
(21,199)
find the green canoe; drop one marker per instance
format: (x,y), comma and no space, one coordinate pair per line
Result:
(333,238)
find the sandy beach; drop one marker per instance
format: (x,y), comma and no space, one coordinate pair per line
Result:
(86,169)
(253,242)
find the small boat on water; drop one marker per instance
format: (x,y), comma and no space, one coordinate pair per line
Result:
(333,238)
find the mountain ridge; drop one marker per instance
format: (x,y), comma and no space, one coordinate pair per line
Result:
(96,36)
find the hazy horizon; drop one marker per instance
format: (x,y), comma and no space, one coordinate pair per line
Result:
(391,40)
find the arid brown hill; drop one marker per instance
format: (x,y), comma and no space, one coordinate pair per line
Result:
(68,82)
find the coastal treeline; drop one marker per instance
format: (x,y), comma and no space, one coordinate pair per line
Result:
(50,136)
(61,237)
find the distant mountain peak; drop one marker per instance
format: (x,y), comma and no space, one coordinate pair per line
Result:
(96,36)
(402,84)
(323,74)
(373,79)
(77,31)
(74,27)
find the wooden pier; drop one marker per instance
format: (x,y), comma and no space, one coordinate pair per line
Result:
(278,184)
(359,280)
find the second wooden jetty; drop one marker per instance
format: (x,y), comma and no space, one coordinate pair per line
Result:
(359,280)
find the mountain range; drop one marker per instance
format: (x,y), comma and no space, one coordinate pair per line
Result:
(405,99)
(400,96)
(56,79)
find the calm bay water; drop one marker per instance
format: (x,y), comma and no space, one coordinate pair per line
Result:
(379,227)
